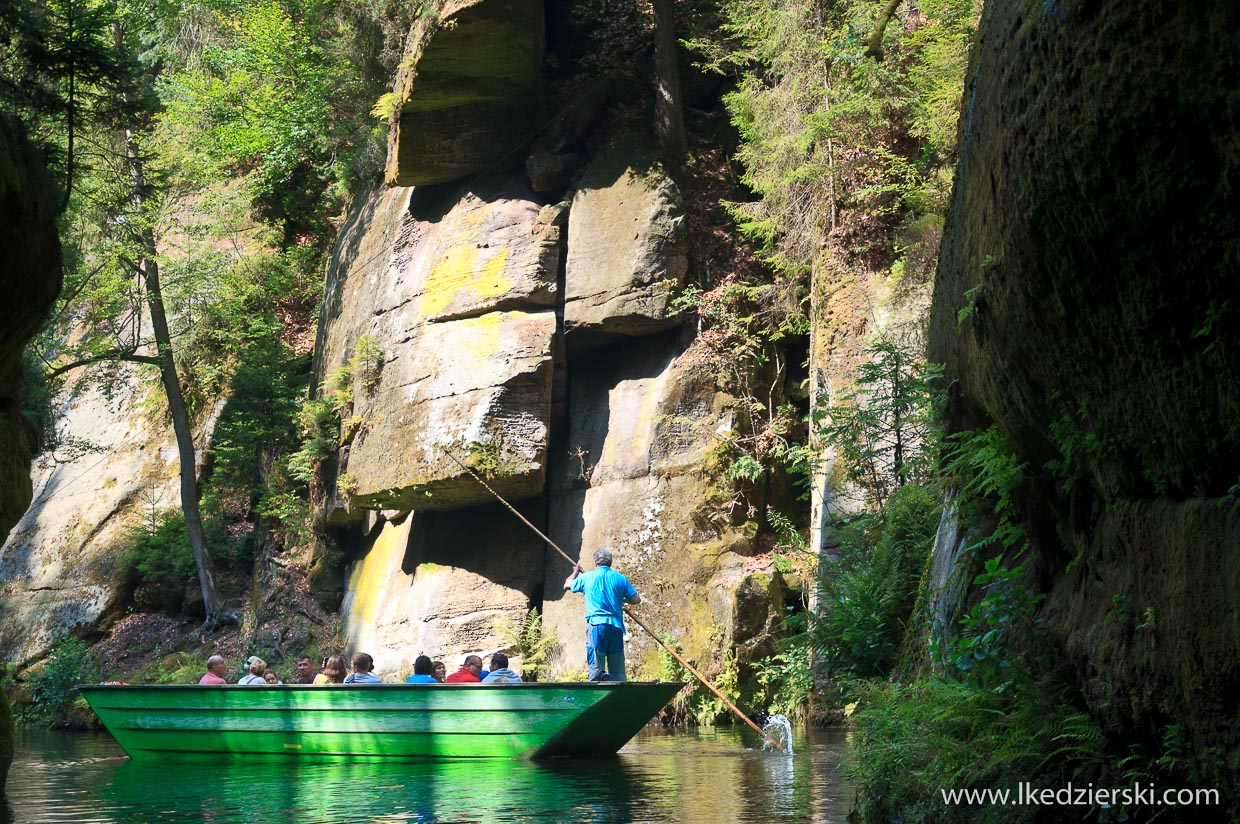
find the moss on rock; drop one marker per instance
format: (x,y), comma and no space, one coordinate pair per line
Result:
(1085,303)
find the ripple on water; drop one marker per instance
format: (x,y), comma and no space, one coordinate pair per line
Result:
(684,775)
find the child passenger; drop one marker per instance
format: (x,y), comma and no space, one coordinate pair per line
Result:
(363,670)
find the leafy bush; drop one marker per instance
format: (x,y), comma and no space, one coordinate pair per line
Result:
(788,676)
(52,697)
(914,740)
(695,702)
(160,562)
(867,596)
(531,639)
(320,430)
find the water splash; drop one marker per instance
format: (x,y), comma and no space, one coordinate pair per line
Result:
(778,729)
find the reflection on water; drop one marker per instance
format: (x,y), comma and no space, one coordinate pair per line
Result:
(662,775)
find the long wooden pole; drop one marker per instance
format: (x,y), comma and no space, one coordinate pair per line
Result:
(627,611)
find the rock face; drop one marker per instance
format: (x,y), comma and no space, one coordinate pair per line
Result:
(459,300)
(1085,304)
(439,583)
(29,281)
(627,246)
(60,563)
(631,480)
(475,301)
(466,93)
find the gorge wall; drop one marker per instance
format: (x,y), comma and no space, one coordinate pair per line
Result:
(520,322)
(29,281)
(1085,304)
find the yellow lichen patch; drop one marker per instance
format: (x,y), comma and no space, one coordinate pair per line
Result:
(465,276)
(477,341)
(372,574)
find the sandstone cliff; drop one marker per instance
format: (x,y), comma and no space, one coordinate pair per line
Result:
(525,327)
(1085,304)
(29,281)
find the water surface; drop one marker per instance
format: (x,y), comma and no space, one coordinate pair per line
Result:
(662,775)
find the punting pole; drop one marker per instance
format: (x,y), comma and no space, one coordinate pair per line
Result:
(627,611)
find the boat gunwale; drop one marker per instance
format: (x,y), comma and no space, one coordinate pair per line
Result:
(508,685)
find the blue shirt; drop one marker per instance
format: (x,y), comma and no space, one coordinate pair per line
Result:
(502,676)
(606,591)
(418,678)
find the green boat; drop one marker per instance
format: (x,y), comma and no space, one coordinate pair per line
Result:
(381,720)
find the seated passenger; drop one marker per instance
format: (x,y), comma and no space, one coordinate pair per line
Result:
(217,668)
(422,668)
(439,670)
(363,670)
(500,674)
(333,672)
(468,673)
(271,678)
(256,666)
(305,671)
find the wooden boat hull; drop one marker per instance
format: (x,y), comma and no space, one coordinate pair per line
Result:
(379,721)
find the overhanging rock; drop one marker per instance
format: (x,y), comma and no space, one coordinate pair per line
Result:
(466,91)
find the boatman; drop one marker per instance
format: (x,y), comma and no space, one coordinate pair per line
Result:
(606,592)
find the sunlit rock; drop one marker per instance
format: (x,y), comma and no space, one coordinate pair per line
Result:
(634,480)
(441,584)
(455,300)
(465,96)
(627,247)
(61,563)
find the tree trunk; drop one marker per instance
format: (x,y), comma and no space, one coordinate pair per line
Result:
(148,269)
(669,108)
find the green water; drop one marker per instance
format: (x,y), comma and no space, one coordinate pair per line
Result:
(683,775)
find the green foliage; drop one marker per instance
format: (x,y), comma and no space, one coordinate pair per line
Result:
(986,472)
(158,559)
(746,468)
(1000,631)
(970,305)
(257,427)
(347,484)
(791,554)
(52,697)
(832,137)
(320,430)
(914,740)
(258,104)
(1170,762)
(868,594)
(1085,453)
(484,458)
(695,702)
(883,425)
(61,74)
(788,676)
(366,362)
(530,639)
